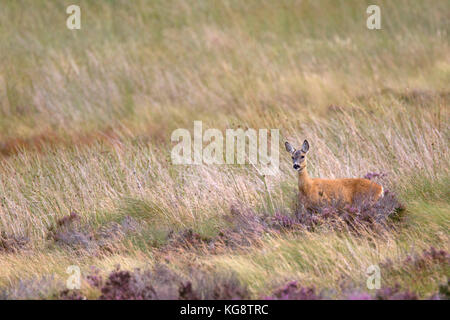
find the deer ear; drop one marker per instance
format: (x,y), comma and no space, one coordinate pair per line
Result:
(305,146)
(289,148)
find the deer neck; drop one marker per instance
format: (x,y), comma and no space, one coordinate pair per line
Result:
(303,179)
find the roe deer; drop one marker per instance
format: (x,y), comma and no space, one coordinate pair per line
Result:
(327,190)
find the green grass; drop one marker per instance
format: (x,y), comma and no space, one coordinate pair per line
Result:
(86,118)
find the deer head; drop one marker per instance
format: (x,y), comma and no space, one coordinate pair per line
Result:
(298,156)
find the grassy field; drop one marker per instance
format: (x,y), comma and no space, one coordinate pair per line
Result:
(86,118)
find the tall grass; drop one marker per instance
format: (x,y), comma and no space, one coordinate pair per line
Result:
(86,117)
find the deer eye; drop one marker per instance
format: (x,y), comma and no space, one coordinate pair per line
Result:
(302,157)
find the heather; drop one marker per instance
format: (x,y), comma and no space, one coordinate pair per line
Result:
(163,283)
(86,177)
(12,243)
(70,233)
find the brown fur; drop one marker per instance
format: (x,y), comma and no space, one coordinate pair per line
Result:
(346,190)
(319,190)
